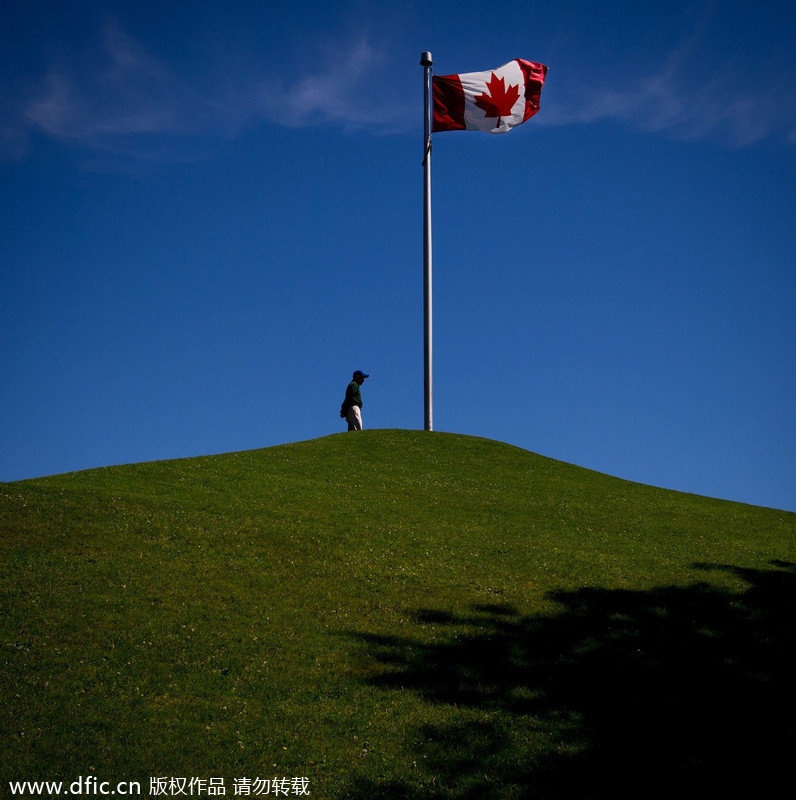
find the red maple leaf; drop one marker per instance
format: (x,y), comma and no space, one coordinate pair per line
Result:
(500,100)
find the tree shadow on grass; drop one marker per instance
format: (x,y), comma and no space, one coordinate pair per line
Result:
(675,692)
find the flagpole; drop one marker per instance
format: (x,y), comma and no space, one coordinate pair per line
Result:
(426,62)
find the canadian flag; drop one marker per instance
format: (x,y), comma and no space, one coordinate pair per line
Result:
(494,102)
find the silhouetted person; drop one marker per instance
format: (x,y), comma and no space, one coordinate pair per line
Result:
(351,410)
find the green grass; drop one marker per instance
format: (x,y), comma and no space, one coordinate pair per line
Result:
(394,614)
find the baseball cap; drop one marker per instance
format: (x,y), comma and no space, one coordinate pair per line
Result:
(360,374)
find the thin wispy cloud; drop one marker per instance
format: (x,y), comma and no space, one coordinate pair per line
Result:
(729,102)
(717,110)
(121,99)
(119,92)
(338,91)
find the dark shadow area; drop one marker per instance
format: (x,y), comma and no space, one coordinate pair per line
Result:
(675,692)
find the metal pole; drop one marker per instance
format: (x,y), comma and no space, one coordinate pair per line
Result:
(426,62)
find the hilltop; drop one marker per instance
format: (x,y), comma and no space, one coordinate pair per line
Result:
(393,614)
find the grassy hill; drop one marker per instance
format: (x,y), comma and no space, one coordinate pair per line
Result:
(393,614)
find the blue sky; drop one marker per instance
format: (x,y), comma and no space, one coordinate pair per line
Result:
(213,215)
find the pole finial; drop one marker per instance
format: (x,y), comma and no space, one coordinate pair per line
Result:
(425,59)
